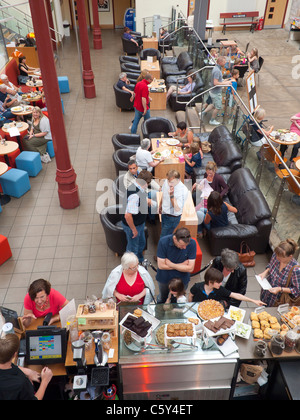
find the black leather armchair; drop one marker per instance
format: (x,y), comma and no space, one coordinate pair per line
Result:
(132,77)
(121,158)
(125,141)
(180,103)
(111,220)
(150,52)
(123,99)
(129,47)
(253,219)
(176,66)
(155,126)
(130,68)
(224,151)
(128,59)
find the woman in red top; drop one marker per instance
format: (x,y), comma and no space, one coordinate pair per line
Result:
(40,300)
(131,286)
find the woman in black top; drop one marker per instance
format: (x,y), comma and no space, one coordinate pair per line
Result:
(25,70)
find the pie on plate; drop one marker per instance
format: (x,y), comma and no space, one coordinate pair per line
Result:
(209,309)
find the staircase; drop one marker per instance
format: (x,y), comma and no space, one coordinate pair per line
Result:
(15,24)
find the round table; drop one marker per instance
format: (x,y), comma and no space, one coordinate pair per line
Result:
(297,163)
(4,199)
(285,143)
(34,85)
(23,112)
(24,127)
(8,147)
(32,99)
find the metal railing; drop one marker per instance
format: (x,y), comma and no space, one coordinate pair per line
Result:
(249,116)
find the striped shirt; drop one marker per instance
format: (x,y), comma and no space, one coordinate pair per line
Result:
(279,279)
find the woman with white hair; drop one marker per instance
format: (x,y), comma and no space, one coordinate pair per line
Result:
(129,282)
(144,158)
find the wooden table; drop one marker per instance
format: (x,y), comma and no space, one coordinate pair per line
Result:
(7,148)
(27,110)
(150,43)
(4,198)
(159,99)
(189,217)
(153,68)
(22,128)
(297,163)
(31,84)
(282,141)
(169,163)
(30,99)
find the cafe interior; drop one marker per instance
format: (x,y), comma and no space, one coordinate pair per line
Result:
(61,215)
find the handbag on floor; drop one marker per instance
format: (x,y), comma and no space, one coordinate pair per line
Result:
(246,256)
(287,297)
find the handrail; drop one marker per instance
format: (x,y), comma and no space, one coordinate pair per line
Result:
(195,33)
(282,162)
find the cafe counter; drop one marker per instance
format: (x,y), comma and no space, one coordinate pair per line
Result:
(187,373)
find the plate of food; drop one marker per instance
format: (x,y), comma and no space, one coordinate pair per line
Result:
(219,326)
(243,330)
(166,153)
(178,154)
(237,314)
(290,137)
(210,309)
(173,142)
(157,156)
(17,109)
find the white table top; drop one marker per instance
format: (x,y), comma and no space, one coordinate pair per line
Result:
(9,147)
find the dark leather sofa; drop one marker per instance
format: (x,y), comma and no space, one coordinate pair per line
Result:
(125,141)
(128,59)
(253,219)
(155,126)
(110,218)
(180,103)
(176,66)
(130,67)
(224,151)
(123,98)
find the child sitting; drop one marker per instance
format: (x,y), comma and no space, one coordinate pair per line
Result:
(253,62)
(195,161)
(217,212)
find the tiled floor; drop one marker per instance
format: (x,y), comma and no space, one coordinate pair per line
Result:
(68,246)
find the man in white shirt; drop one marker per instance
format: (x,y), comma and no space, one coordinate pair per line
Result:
(144,158)
(174,195)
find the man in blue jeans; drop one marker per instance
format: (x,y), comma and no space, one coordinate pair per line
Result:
(141,102)
(135,210)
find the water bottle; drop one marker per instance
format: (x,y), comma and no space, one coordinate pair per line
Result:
(157,143)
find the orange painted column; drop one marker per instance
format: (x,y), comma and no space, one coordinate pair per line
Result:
(65,174)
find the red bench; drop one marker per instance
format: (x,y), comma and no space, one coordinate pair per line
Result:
(11,69)
(239,22)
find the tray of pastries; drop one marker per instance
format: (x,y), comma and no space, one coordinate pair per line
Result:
(219,326)
(291,316)
(265,325)
(210,309)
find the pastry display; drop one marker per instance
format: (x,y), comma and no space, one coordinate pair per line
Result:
(221,339)
(264,325)
(210,309)
(292,317)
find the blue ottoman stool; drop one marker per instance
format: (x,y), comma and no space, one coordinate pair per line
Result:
(29,162)
(15,182)
(50,149)
(63,83)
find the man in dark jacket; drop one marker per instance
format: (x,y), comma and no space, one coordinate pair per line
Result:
(234,273)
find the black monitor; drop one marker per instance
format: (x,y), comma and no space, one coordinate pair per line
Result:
(46,345)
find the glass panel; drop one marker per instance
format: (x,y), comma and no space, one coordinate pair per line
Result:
(3,53)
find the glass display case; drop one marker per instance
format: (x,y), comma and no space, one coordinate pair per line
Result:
(188,367)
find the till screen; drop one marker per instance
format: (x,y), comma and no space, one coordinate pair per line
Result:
(45,347)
